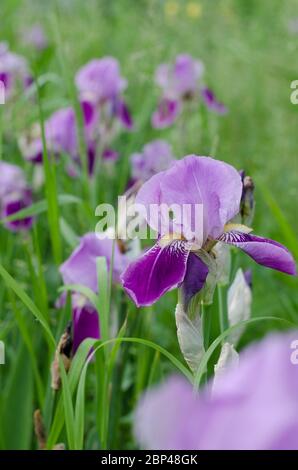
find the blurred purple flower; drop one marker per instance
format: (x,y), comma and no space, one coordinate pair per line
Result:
(80,268)
(14,195)
(110,155)
(166,113)
(100,79)
(180,80)
(155,157)
(61,135)
(36,37)
(13,70)
(177,260)
(181,83)
(244,411)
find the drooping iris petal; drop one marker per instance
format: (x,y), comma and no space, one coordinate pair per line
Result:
(85,324)
(204,180)
(123,114)
(212,103)
(13,203)
(80,267)
(195,277)
(245,411)
(166,113)
(264,251)
(156,272)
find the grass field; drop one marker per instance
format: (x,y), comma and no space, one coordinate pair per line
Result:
(250,58)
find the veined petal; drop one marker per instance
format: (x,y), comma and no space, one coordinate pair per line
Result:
(264,251)
(156,272)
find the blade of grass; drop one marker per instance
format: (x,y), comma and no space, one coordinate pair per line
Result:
(103,296)
(78,364)
(19,291)
(40,207)
(27,338)
(51,191)
(68,407)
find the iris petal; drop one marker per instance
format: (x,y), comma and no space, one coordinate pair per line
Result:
(264,251)
(156,272)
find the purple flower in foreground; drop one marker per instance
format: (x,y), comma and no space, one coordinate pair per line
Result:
(80,268)
(178,258)
(244,411)
(181,83)
(155,157)
(14,195)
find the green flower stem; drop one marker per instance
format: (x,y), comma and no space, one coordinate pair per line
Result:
(222,309)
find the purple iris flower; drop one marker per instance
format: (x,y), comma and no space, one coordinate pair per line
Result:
(13,70)
(180,83)
(61,135)
(14,195)
(253,407)
(155,157)
(80,268)
(101,78)
(177,259)
(101,81)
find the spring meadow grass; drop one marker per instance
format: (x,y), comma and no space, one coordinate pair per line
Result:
(250,59)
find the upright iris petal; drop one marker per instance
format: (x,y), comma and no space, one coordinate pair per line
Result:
(212,103)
